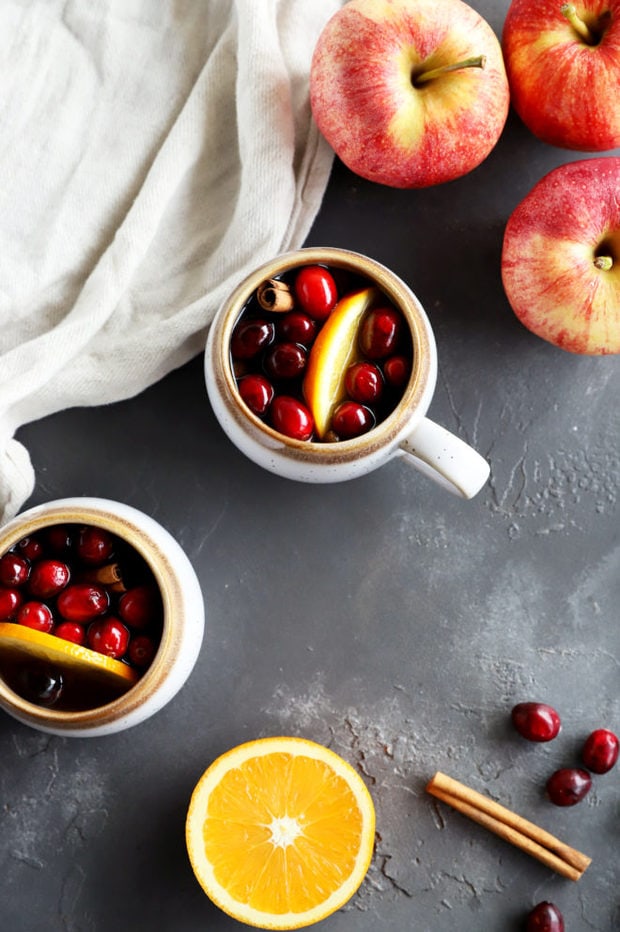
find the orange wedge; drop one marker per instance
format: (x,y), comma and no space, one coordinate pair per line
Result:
(332,353)
(280,832)
(22,642)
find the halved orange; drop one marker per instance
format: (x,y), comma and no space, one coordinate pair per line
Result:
(333,351)
(25,643)
(280,832)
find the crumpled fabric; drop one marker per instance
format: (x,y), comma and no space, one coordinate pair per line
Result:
(151,155)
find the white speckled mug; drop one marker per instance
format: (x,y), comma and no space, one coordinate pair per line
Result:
(182,627)
(405,433)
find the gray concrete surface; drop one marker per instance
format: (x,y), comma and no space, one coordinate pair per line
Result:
(382,617)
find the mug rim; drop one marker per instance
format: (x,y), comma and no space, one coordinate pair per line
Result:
(383,436)
(101,513)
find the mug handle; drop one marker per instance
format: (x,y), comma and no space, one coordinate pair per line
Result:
(445,458)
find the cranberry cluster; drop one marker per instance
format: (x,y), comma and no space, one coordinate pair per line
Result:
(270,350)
(539,722)
(85,585)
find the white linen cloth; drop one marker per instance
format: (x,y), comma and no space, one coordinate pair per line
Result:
(151,153)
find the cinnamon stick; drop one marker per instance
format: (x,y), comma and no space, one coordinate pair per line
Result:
(274,295)
(506,824)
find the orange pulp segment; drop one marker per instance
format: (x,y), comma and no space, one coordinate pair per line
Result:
(22,641)
(280,832)
(333,351)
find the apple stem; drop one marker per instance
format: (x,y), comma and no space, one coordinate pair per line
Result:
(479,61)
(568,10)
(603,262)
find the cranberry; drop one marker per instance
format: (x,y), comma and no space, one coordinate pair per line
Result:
(379,332)
(10,600)
(351,419)
(70,631)
(536,721)
(59,539)
(364,382)
(48,578)
(31,548)
(545,917)
(14,569)
(139,606)
(36,615)
(292,418)
(141,650)
(285,360)
(600,751)
(396,370)
(94,545)
(250,336)
(568,786)
(257,392)
(108,636)
(83,601)
(297,327)
(41,685)
(316,291)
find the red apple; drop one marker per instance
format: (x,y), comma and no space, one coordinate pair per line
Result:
(561,257)
(409,93)
(563,64)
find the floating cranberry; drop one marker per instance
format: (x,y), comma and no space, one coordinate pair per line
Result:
(568,786)
(35,615)
(250,336)
(316,291)
(292,418)
(94,545)
(364,382)
(297,327)
(545,917)
(108,636)
(30,547)
(48,578)
(10,600)
(141,650)
(600,751)
(140,606)
(82,602)
(396,370)
(14,569)
(536,721)
(285,360)
(379,332)
(351,419)
(71,631)
(59,539)
(41,684)
(257,392)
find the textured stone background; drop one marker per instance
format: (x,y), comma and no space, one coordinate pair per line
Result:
(381,617)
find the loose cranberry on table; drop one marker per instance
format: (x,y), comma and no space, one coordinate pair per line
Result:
(291,417)
(48,578)
(568,786)
(36,615)
(545,917)
(71,631)
(108,636)
(10,600)
(536,721)
(94,545)
(316,292)
(82,602)
(600,751)
(14,569)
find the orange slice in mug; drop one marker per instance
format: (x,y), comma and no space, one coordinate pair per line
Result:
(280,832)
(332,353)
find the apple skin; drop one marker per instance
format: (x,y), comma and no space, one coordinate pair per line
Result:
(564,90)
(378,123)
(551,241)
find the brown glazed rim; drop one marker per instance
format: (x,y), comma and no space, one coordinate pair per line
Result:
(169,586)
(386,433)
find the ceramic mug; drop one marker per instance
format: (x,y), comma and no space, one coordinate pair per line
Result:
(406,432)
(182,625)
